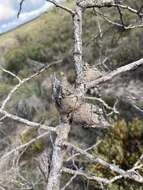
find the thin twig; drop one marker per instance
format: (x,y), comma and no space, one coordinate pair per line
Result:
(103,103)
(62,7)
(26,122)
(120,14)
(121,70)
(23,146)
(23,81)
(131,174)
(20,8)
(10,73)
(69,182)
(86,150)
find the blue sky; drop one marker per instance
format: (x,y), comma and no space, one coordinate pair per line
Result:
(9,9)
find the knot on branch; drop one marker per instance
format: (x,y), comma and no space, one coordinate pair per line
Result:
(70,102)
(89,115)
(64,95)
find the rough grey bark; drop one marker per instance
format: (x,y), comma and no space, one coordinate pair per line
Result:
(62,136)
(58,157)
(77,54)
(58,91)
(95,3)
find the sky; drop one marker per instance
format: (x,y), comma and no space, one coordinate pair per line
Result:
(9,10)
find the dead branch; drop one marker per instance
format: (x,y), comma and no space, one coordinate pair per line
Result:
(69,182)
(113,109)
(59,150)
(86,150)
(61,7)
(20,8)
(81,173)
(58,157)
(108,3)
(22,81)
(125,27)
(121,70)
(131,174)
(26,122)
(23,146)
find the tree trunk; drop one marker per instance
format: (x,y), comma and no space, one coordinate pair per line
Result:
(64,129)
(58,157)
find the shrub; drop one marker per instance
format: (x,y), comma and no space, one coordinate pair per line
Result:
(15,60)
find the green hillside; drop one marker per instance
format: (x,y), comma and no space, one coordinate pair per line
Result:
(41,39)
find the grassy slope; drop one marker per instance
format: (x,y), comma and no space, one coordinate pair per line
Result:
(41,39)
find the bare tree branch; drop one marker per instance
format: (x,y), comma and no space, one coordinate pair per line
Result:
(69,182)
(58,157)
(23,146)
(125,27)
(94,178)
(131,174)
(120,13)
(95,3)
(108,3)
(118,71)
(61,7)
(81,173)
(22,81)
(103,103)
(10,73)
(128,8)
(86,150)
(20,8)
(26,122)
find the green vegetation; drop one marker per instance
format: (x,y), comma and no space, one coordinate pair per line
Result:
(34,148)
(122,145)
(15,60)
(4,88)
(41,40)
